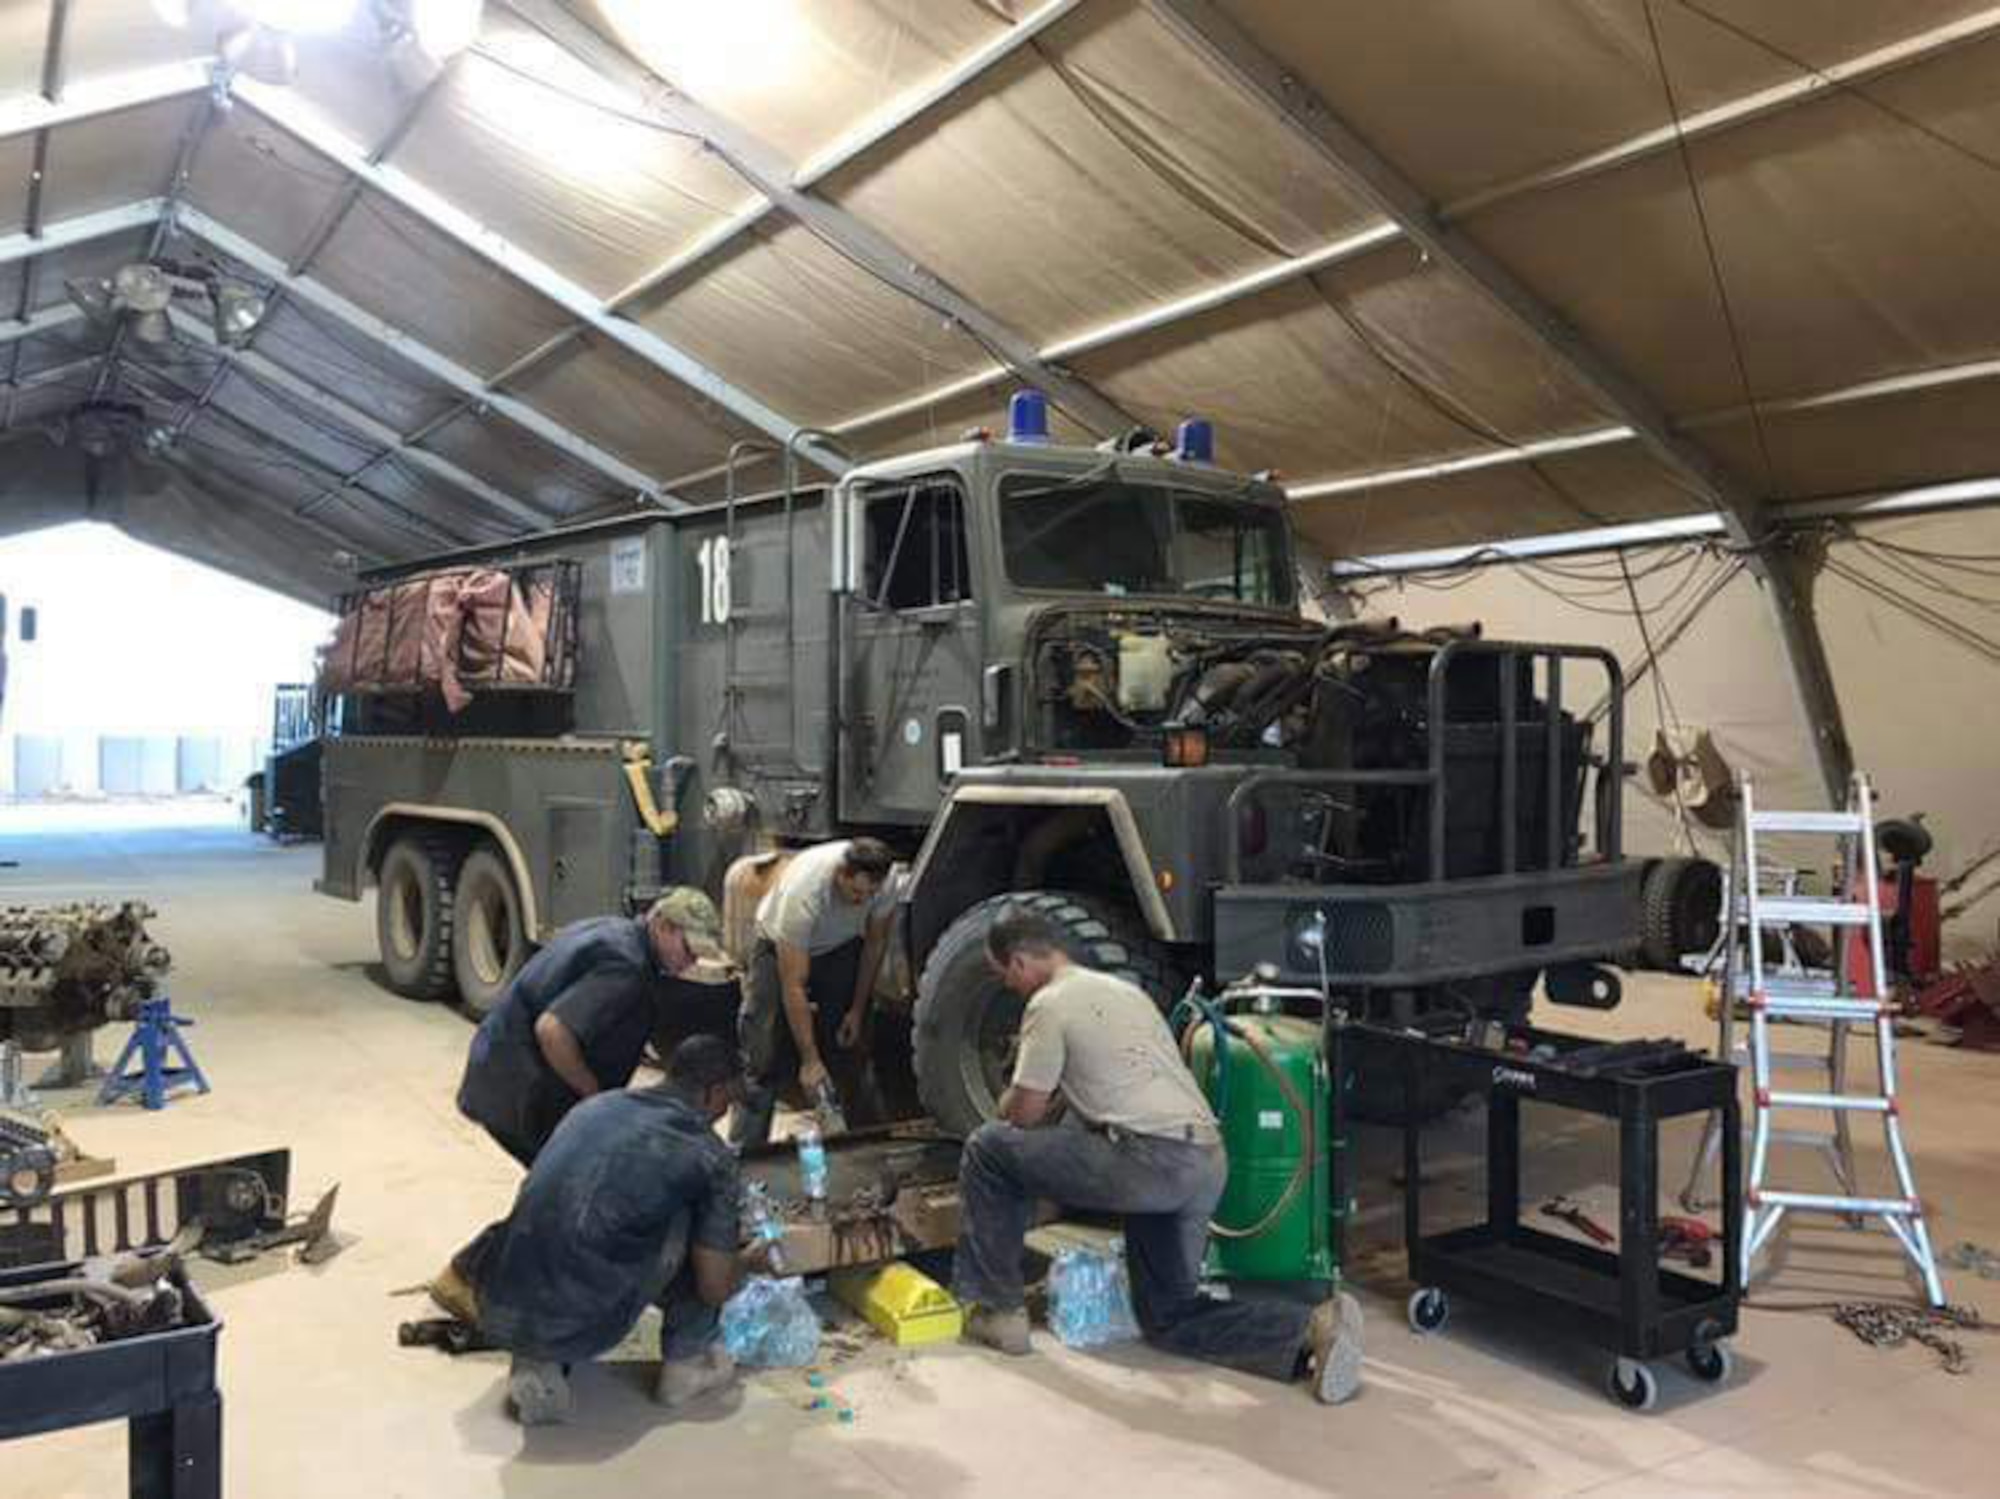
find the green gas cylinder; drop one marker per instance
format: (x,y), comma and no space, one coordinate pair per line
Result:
(1268,1142)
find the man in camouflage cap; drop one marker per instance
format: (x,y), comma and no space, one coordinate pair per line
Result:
(575,1020)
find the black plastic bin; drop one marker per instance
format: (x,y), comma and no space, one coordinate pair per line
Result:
(1621,1299)
(163,1384)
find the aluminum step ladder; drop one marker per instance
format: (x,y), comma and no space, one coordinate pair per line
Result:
(1808,999)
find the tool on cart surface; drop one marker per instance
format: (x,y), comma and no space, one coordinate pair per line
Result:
(1612,1291)
(1816,998)
(1574,1215)
(1687,1239)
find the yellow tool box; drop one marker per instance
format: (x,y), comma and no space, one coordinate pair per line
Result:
(906,1306)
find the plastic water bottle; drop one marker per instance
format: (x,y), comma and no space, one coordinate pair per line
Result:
(812,1165)
(1090,1298)
(826,1104)
(769,1324)
(765,1225)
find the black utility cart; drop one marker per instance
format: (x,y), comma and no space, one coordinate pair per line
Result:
(1618,1297)
(162,1384)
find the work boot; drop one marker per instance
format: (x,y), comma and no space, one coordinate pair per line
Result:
(1006,1331)
(454,1295)
(1333,1338)
(685,1380)
(538,1390)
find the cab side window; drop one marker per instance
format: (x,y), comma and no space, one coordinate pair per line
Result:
(915,554)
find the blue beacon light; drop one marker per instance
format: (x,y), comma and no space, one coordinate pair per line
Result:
(1028,417)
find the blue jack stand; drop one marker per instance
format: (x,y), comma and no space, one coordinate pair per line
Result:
(155,1040)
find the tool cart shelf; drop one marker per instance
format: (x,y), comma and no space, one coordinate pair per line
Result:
(1621,1298)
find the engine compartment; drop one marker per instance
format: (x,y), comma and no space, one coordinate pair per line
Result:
(1332,699)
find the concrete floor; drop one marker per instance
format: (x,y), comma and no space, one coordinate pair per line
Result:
(306,1050)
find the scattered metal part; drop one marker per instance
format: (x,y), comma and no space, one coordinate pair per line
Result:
(445,1333)
(27,1163)
(1966,1255)
(234,1198)
(98,1301)
(71,968)
(1886,1325)
(313,1233)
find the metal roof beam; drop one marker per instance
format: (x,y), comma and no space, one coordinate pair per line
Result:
(766,170)
(283,110)
(47,320)
(1376,180)
(899,115)
(81,230)
(89,98)
(1907,52)
(429,532)
(265,371)
(1861,392)
(1888,504)
(481,394)
(225,492)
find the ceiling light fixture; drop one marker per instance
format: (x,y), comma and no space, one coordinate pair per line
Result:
(299,17)
(445,28)
(261,52)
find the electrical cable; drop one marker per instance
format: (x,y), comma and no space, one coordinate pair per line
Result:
(1708,244)
(1845,86)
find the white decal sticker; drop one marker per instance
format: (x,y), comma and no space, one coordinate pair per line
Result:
(913,732)
(628,565)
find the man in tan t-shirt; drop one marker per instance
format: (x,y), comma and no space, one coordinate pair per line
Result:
(1137,1138)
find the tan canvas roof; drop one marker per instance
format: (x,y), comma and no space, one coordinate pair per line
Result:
(533,286)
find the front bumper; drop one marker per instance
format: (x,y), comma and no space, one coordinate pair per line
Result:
(1402,936)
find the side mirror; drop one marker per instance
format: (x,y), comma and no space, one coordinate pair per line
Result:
(27,624)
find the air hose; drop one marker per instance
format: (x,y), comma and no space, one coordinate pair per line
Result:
(1204,1011)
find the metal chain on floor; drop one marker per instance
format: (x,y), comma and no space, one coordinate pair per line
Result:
(1882,1324)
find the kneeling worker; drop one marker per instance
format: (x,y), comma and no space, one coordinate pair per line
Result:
(575,1020)
(1139,1139)
(635,1200)
(822,930)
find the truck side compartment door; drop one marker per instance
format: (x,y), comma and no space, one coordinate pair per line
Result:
(911,641)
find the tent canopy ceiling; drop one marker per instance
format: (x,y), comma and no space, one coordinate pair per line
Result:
(512,289)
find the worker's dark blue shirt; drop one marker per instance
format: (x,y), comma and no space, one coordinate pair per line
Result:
(603,980)
(580,1256)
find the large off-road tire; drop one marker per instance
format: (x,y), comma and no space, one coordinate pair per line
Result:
(967,1022)
(1681,911)
(489,942)
(414,915)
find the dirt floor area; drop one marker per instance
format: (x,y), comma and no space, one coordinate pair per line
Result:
(305,1049)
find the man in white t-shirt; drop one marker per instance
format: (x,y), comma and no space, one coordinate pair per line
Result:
(822,931)
(1136,1137)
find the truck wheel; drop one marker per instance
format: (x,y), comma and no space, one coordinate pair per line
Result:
(967,1022)
(413,915)
(488,942)
(1681,911)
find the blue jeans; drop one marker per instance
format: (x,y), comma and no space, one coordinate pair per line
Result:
(688,1325)
(1167,1191)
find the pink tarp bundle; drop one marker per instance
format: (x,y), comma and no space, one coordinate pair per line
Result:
(457,631)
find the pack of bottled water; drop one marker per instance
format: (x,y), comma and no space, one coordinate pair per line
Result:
(1090,1298)
(769,1324)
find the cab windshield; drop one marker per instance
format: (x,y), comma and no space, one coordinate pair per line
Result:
(1109,536)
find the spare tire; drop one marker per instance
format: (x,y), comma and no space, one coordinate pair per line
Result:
(1681,911)
(967,1021)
